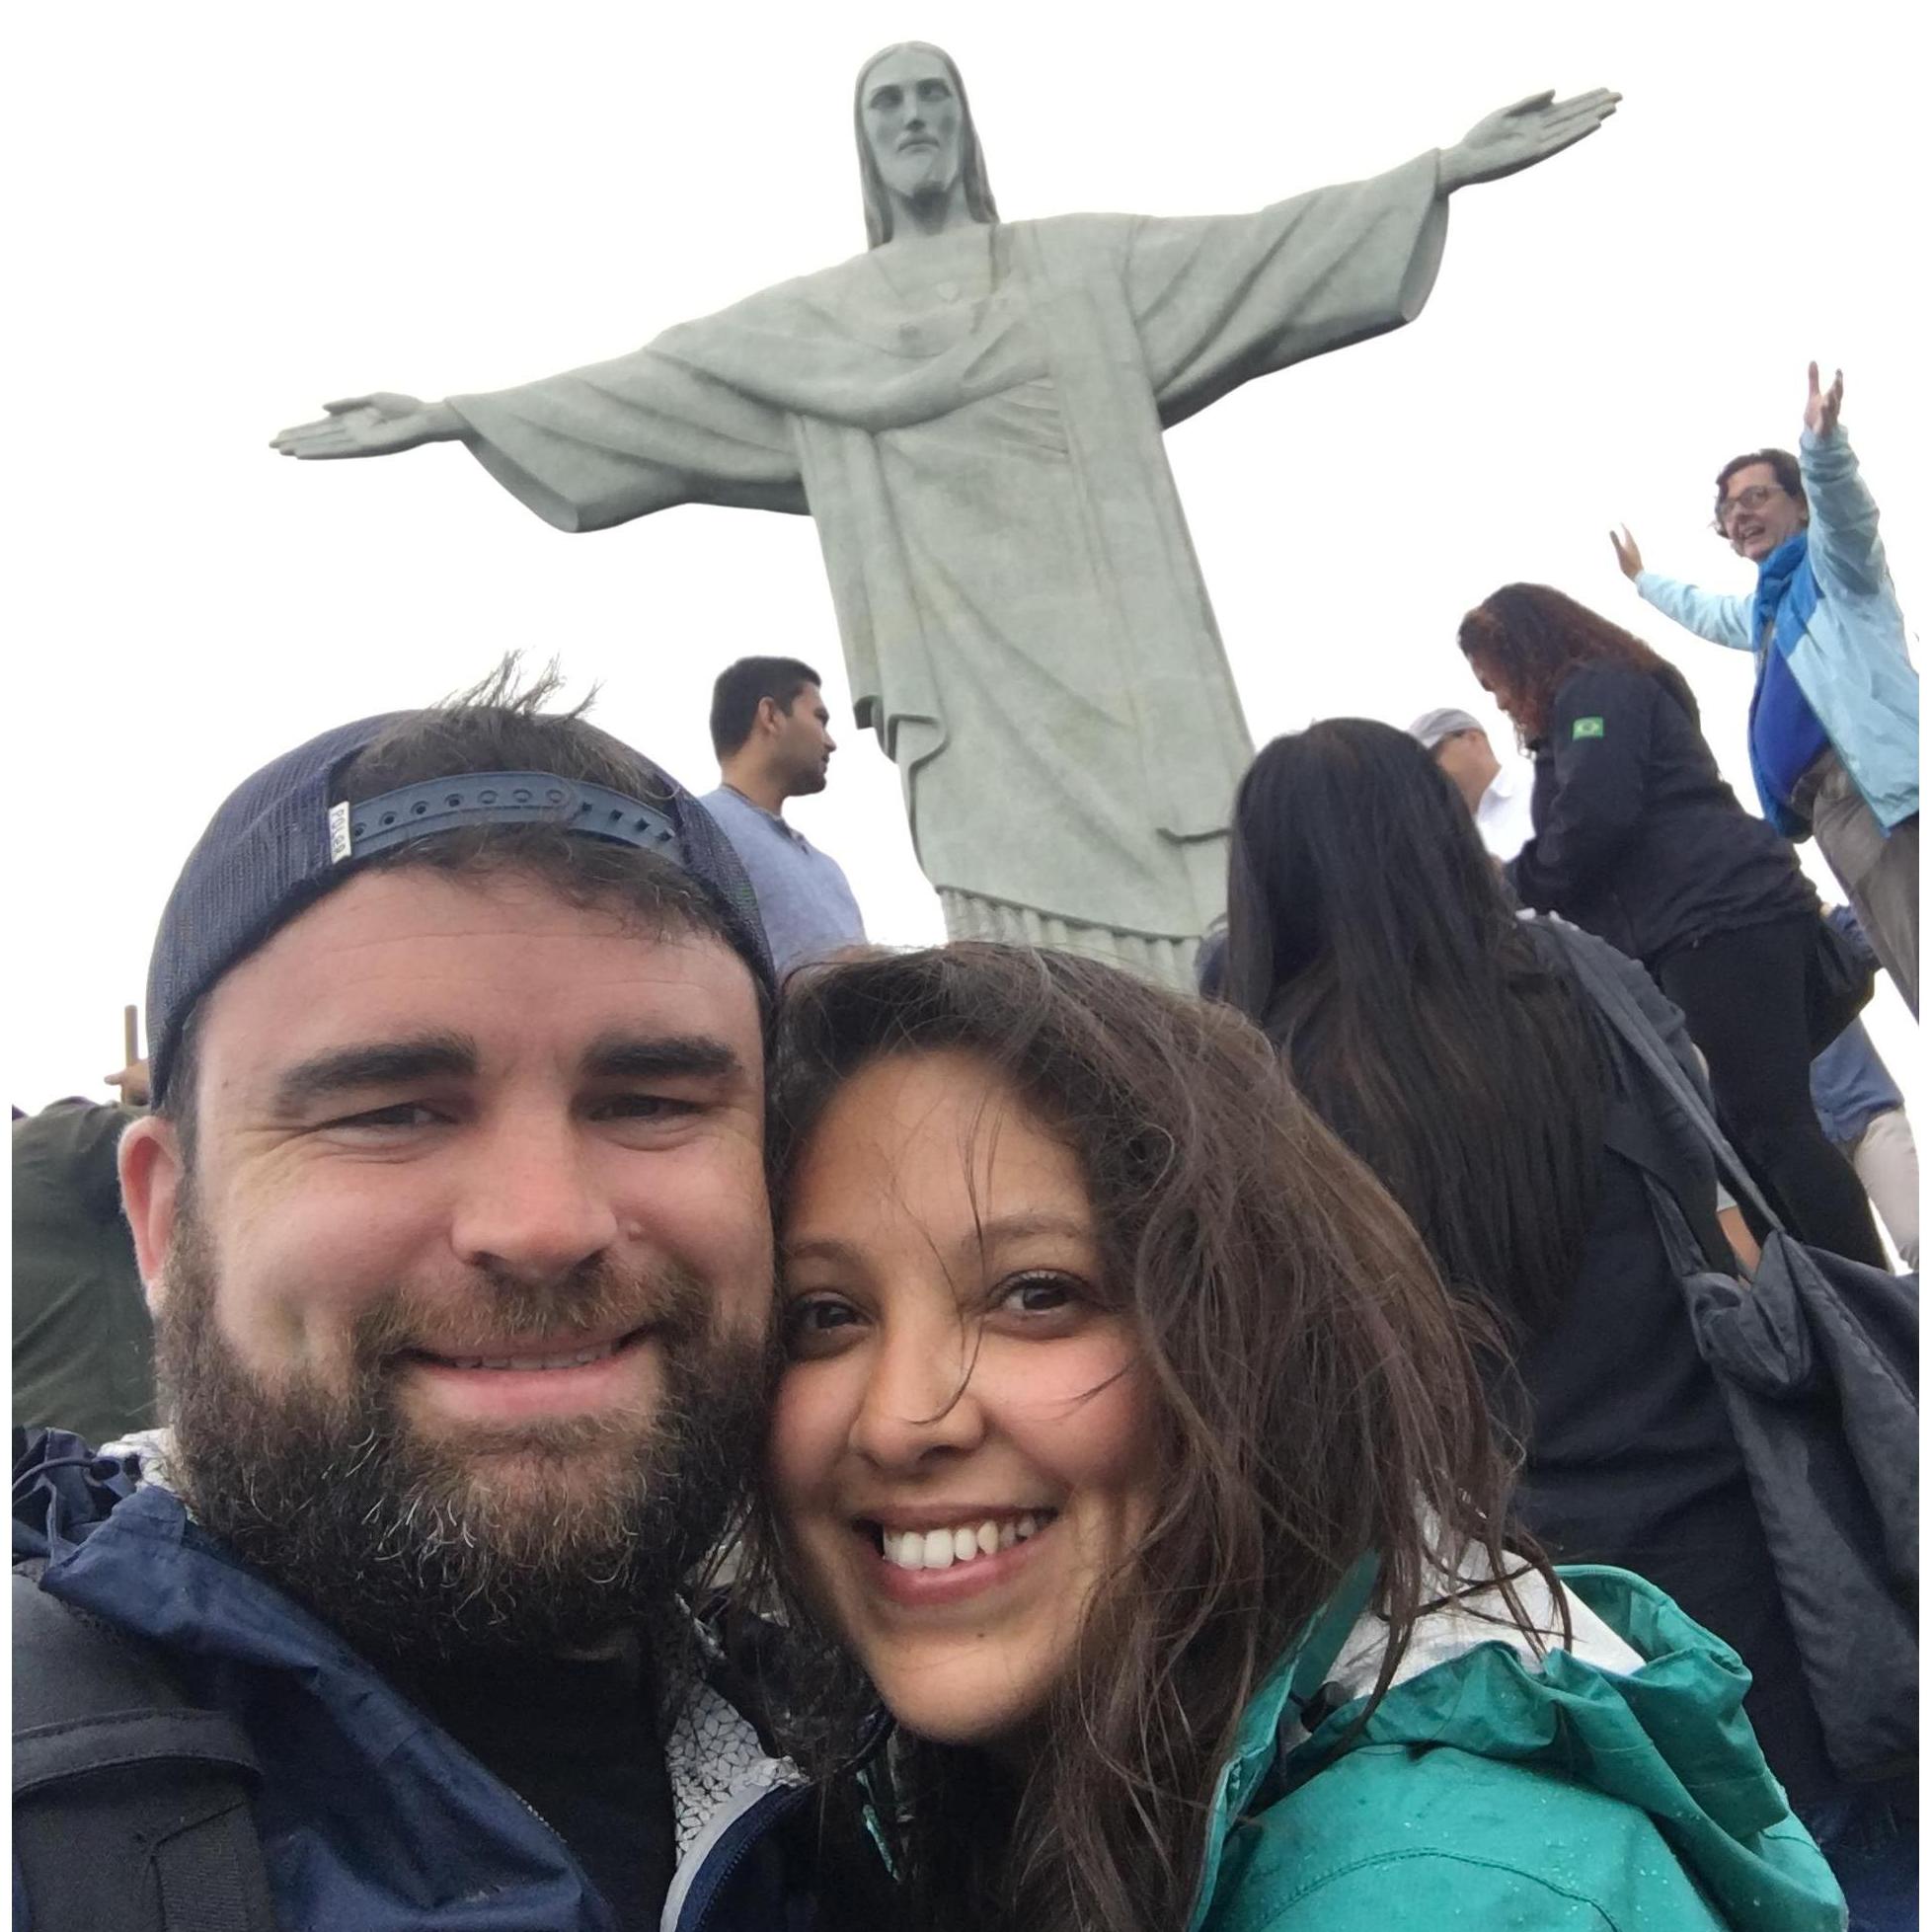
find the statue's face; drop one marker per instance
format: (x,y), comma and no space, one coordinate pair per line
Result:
(911,116)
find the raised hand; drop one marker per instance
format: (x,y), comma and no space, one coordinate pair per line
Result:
(1520,135)
(1821,409)
(1630,559)
(370,425)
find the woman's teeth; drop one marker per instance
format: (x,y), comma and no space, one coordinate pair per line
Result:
(940,1549)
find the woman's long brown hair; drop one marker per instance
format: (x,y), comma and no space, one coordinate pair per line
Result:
(1315,1400)
(1537,637)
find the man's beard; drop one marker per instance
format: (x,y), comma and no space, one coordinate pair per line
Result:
(534,1536)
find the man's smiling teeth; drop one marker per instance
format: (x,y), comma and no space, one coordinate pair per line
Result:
(940,1549)
(577,1360)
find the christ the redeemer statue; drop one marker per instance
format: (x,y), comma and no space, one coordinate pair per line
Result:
(971,411)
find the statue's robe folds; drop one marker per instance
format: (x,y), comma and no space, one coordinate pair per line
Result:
(1024,622)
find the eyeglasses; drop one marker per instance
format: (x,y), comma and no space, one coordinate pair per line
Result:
(1755,498)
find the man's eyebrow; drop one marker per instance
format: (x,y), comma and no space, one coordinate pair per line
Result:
(655,1056)
(374,1063)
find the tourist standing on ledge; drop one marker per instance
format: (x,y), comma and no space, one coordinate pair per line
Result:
(1834,711)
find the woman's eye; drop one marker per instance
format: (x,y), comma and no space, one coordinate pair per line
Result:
(814,1324)
(1039,1295)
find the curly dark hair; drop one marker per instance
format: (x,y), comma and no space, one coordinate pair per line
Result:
(1316,1399)
(1535,636)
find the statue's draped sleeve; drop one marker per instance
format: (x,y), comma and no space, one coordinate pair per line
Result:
(600,445)
(1218,299)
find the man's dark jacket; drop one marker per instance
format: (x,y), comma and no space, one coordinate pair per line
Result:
(369,1815)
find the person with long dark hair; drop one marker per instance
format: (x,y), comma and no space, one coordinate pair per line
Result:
(1128,1448)
(1446,1038)
(1638,839)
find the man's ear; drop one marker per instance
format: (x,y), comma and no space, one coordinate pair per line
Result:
(770,717)
(151,1177)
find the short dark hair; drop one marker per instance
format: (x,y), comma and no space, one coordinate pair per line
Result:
(1784,466)
(740,689)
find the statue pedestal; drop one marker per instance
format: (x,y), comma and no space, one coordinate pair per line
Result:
(1166,961)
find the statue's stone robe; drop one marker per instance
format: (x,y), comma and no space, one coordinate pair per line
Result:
(1024,623)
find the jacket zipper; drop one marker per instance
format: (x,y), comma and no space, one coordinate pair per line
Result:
(767,1811)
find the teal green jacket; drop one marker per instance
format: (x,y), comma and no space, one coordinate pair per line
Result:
(1611,1787)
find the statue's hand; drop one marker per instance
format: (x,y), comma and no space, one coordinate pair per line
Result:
(1519,136)
(370,425)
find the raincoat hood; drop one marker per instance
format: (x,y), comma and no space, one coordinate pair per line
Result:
(1615,1777)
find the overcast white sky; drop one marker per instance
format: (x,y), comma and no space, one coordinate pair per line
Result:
(228,213)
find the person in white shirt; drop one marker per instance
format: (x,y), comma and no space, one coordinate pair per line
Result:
(1497,794)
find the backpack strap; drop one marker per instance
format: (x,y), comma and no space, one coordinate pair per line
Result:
(131,1807)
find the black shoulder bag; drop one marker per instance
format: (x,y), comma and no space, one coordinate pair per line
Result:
(1818,1361)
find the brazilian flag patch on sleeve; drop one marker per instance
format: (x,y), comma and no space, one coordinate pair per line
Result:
(1587,727)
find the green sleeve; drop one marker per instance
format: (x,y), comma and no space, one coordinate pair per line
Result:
(1429,1890)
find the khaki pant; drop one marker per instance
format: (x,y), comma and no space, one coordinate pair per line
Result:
(1877,870)
(1885,1160)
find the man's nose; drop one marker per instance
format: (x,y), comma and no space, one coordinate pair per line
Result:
(530,1203)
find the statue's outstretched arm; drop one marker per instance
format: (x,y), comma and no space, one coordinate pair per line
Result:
(1521,135)
(371,426)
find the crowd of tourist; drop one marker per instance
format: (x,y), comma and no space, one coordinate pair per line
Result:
(1275,1460)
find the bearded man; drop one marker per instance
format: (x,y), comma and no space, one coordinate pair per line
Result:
(451,1210)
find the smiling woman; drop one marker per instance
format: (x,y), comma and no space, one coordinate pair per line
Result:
(962,1441)
(1128,1450)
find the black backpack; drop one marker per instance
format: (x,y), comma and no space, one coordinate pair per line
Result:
(131,1807)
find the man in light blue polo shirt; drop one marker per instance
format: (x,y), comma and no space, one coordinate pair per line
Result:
(769,726)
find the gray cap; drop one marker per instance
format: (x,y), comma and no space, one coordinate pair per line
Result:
(1433,727)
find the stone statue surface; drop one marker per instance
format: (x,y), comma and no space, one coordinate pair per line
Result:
(971,411)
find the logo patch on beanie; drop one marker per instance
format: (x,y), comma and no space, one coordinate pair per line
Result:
(1587,727)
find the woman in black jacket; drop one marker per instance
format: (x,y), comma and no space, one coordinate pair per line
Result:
(1640,840)
(1447,1040)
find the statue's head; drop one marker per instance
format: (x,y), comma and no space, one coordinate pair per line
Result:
(915,135)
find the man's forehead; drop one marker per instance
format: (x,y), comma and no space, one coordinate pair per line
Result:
(397,939)
(1748,477)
